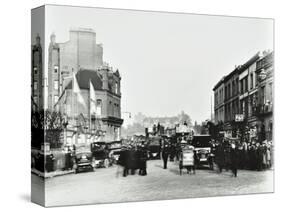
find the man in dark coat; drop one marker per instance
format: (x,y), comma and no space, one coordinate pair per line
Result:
(234,159)
(165,153)
(123,161)
(219,157)
(142,155)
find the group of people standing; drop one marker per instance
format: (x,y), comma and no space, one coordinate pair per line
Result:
(243,155)
(133,158)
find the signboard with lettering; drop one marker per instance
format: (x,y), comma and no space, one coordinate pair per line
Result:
(239,117)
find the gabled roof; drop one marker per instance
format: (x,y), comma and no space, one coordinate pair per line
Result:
(83,77)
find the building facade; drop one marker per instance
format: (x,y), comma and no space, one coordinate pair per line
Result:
(81,57)
(248,99)
(219,101)
(231,102)
(264,106)
(248,87)
(80,52)
(37,76)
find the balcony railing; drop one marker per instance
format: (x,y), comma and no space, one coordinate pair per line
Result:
(263,109)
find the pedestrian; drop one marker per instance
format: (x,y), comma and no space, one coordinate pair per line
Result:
(219,157)
(123,160)
(227,158)
(68,159)
(234,159)
(259,155)
(142,154)
(264,155)
(165,153)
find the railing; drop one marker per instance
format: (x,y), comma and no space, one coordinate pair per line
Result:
(263,109)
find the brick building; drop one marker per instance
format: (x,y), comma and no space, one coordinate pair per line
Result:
(106,122)
(248,87)
(82,57)
(219,101)
(231,102)
(37,76)
(248,94)
(80,52)
(264,106)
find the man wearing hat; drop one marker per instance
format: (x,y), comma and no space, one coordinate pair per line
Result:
(165,152)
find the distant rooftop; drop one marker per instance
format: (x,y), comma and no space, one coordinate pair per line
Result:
(81,29)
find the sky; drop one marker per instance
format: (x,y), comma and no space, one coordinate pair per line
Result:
(168,62)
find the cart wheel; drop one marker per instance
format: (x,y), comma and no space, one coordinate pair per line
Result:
(106,163)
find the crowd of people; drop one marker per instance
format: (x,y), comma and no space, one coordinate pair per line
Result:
(132,158)
(234,154)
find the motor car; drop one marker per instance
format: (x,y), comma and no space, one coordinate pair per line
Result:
(154,148)
(204,156)
(101,155)
(83,161)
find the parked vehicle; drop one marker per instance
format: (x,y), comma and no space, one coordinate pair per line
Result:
(101,154)
(83,161)
(204,156)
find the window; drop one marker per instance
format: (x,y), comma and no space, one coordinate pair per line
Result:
(241,87)
(233,88)
(35,99)
(263,95)
(116,87)
(252,81)
(56,98)
(246,84)
(35,85)
(56,68)
(270,92)
(99,107)
(35,70)
(56,84)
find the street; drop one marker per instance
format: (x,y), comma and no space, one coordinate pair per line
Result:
(108,185)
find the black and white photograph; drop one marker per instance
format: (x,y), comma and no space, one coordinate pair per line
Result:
(130,105)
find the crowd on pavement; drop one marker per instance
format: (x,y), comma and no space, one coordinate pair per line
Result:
(235,155)
(228,155)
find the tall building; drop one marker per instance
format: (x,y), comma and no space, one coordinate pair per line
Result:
(219,101)
(246,97)
(248,93)
(81,57)
(264,105)
(80,52)
(231,102)
(37,76)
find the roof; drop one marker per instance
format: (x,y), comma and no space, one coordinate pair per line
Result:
(218,84)
(83,77)
(250,62)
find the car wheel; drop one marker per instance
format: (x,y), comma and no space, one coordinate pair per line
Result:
(106,163)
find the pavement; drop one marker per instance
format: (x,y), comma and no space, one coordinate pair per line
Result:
(51,174)
(107,185)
